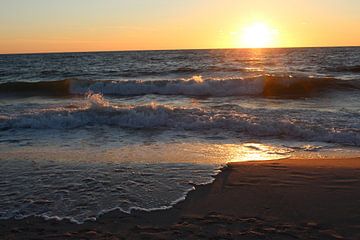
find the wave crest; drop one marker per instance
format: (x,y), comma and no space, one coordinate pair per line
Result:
(264,85)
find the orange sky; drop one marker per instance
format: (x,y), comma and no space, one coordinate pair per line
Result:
(92,25)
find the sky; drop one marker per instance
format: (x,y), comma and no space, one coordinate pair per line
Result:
(104,25)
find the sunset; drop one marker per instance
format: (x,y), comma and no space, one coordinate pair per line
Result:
(179,119)
(91,25)
(258,35)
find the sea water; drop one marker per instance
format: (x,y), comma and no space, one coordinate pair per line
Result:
(86,133)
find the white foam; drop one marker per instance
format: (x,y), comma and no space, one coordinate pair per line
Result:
(306,125)
(141,187)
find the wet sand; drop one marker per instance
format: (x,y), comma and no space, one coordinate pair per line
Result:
(284,199)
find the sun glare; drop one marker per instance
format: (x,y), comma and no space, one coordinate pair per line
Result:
(258,35)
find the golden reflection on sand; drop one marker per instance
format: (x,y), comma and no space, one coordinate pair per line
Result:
(154,153)
(258,152)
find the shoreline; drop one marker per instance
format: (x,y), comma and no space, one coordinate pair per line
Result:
(280,199)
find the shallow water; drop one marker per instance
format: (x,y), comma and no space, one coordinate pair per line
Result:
(84,133)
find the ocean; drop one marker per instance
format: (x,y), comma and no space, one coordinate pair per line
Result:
(82,134)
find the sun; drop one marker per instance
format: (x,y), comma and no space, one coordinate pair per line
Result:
(258,35)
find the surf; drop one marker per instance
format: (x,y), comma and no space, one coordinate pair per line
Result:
(261,86)
(283,123)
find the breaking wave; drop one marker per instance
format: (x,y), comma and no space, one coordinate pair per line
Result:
(264,85)
(257,123)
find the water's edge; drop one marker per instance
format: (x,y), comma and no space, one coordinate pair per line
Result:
(132,210)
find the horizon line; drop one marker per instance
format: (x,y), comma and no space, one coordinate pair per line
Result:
(178,49)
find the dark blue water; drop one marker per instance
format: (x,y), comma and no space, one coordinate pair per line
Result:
(83,133)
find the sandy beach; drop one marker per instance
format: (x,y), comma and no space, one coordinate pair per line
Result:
(283,199)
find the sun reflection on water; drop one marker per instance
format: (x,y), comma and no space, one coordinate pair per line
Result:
(258,152)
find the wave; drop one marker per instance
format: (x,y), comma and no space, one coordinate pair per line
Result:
(263,85)
(211,68)
(98,112)
(351,69)
(50,88)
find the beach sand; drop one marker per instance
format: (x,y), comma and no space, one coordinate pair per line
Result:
(284,199)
